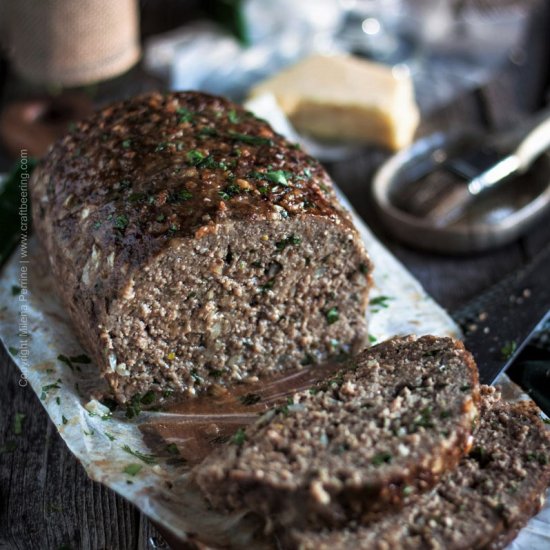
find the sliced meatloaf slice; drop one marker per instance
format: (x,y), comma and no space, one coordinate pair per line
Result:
(192,245)
(384,428)
(482,504)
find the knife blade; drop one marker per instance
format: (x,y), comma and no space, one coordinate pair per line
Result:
(498,323)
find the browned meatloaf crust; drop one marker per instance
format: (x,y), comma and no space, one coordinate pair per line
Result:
(383,429)
(192,245)
(480,505)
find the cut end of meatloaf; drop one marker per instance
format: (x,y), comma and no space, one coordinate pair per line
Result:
(384,428)
(246,300)
(193,246)
(496,488)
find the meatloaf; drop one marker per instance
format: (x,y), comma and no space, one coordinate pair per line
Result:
(192,246)
(480,505)
(385,428)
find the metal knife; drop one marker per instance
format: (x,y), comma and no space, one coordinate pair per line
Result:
(498,324)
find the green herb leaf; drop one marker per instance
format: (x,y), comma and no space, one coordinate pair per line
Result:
(279,177)
(332,315)
(148,459)
(15,290)
(185,115)
(239,437)
(250,399)
(49,387)
(111,437)
(83,359)
(121,222)
(127,143)
(172,449)
(508,349)
(268,285)
(292,240)
(133,469)
(148,398)
(12,350)
(64,420)
(233,116)
(372,339)
(230,191)
(381,458)
(380,301)
(18,423)
(252,140)
(195,157)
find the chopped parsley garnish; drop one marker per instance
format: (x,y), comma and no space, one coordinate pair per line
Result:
(408,490)
(332,315)
(307,360)
(508,349)
(252,140)
(381,458)
(278,176)
(239,437)
(215,373)
(195,157)
(111,437)
(465,387)
(148,398)
(250,399)
(230,191)
(64,420)
(185,115)
(424,419)
(292,240)
(180,196)
(127,143)
(133,469)
(363,268)
(268,285)
(161,147)
(148,459)
(208,131)
(15,290)
(49,387)
(233,116)
(18,423)
(380,301)
(372,339)
(172,449)
(84,359)
(13,351)
(134,407)
(196,377)
(121,222)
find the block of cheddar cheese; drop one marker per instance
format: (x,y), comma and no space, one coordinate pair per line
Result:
(342,97)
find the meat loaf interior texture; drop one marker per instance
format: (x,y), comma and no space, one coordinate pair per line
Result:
(496,488)
(193,246)
(385,428)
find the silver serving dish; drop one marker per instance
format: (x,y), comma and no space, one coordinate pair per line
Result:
(495,219)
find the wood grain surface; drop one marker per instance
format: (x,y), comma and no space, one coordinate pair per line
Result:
(46,499)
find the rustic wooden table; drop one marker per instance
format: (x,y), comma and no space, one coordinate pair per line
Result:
(46,499)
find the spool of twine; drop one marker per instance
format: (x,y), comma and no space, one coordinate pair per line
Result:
(72,42)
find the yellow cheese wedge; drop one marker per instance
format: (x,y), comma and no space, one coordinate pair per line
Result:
(342,97)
